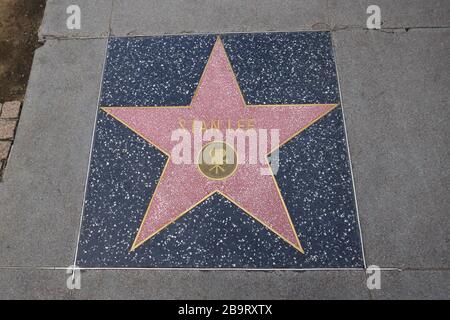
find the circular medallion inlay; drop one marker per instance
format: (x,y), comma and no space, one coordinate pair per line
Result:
(217,161)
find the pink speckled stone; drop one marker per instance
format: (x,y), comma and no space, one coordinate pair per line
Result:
(182,186)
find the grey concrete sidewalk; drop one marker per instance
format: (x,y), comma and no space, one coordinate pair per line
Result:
(395,94)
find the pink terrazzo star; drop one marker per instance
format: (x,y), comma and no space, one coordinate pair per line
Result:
(182,187)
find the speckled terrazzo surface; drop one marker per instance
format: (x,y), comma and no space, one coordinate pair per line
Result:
(314,175)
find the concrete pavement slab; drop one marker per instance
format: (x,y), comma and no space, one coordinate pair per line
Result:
(94,19)
(148,284)
(394,14)
(34,284)
(414,284)
(42,192)
(395,96)
(151,284)
(156,17)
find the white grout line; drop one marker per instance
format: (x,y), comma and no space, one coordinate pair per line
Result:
(223,269)
(348,150)
(90,151)
(219,269)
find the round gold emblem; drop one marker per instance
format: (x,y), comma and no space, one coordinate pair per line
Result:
(217,161)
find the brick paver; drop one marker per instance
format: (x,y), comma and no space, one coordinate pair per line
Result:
(5,146)
(7,128)
(10,110)
(9,116)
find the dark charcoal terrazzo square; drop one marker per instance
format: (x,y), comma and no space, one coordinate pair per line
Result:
(314,176)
